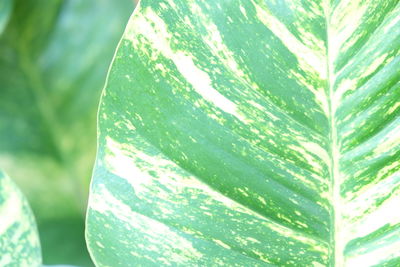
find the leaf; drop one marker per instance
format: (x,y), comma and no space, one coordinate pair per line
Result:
(250,133)
(53,61)
(5,10)
(73,248)
(19,239)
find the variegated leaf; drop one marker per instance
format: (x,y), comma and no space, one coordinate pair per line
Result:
(251,133)
(19,240)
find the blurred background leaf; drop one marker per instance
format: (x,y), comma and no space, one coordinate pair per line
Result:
(54,57)
(5,10)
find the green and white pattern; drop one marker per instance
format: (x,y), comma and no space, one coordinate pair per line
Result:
(19,240)
(251,133)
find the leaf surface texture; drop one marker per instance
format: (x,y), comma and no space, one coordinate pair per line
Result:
(250,133)
(19,239)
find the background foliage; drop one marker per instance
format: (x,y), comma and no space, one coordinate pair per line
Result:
(54,56)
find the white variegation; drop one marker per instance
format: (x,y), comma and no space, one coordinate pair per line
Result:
(254,133)
(19,240)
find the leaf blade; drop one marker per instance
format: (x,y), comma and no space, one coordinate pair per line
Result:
(191,116)
(19,238)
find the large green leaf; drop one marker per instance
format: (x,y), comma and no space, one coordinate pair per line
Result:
(54,56)
(251,133)
(19,239)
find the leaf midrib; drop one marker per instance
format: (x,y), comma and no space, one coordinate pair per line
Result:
(336,239)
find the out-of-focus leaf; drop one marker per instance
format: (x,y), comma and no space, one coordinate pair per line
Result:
(251,133)
(73,241)
(5,11)
(54,57)
(19,240)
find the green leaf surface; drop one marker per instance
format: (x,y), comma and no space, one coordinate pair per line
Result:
(54,56)
(72,249)
(251,133)
(5,11)
(19,239)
